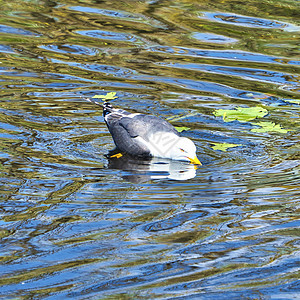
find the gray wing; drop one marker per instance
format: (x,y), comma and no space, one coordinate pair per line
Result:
(145,125)
(125,130)
(122,139)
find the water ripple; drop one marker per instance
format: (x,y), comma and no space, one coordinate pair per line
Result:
(236,55)
(106,69)
(118,14)
(77,223)
(254,22)
(12,30)
(6,49)
(70,49)
(108,35)
(213,38)
(274,77)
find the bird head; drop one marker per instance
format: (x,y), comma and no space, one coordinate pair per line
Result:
(185,150)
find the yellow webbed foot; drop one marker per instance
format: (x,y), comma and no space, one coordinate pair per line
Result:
(118,155)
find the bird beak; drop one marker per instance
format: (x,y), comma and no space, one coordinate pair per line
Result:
(195,160)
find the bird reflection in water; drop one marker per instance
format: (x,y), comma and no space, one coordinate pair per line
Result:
(145,169)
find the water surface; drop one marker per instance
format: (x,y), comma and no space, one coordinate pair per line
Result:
(76,224)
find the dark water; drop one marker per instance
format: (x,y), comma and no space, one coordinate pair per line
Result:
(77,225)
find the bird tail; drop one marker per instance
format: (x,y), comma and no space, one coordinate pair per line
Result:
(107,107)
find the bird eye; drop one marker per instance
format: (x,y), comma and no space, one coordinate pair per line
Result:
(181,150)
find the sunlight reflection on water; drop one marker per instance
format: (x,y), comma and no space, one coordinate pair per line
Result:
(78,224)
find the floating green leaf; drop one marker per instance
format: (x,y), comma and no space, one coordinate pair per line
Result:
(224,146)
(242,114)
(180,129)
(269,126)
(107,97)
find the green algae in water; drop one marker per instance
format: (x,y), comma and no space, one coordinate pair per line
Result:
(242,114)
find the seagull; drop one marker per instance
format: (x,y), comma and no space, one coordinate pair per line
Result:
(144,135)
